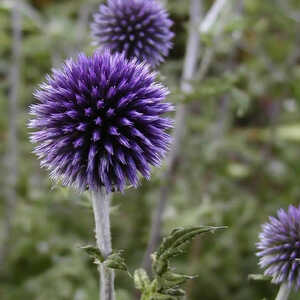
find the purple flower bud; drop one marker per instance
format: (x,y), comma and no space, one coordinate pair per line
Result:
(98,122)
(138,28)
(279,247)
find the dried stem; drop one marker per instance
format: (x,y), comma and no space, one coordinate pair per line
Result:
(212,16)
(12,151)
(101,208)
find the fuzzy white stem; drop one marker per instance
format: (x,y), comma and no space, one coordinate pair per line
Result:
(101,208)
(284,292)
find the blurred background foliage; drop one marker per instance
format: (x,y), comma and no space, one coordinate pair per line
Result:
(239,164)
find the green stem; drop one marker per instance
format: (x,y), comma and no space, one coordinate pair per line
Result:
(284,292)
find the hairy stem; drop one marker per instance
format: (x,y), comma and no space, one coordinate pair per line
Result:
(101,208)
(284,292)
(190,64)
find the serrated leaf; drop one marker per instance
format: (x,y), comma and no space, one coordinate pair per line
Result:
(116,261)
(94,252)
(174,244)
(112,261)
(172,280)
(166,283)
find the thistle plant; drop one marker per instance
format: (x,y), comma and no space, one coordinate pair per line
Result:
(137,28)
(279,250)
(98,124)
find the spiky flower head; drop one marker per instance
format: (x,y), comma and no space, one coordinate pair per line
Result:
(139,28)
(279,247)
(98,122)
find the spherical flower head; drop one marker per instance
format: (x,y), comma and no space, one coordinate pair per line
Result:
(139,28)
(98,122)
(279,247)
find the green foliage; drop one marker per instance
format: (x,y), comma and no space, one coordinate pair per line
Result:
(112,261)
(166,284)
(259,277)
(239,163)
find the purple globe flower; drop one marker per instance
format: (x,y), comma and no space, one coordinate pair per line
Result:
(138,28)
(98,122)
(279,247)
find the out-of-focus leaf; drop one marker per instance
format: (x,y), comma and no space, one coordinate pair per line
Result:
(289,132)
(259,277)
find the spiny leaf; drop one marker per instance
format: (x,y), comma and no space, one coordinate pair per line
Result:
(180,235)
(172,280)
(174,244)
(112,261)
(94,252)
(166,284)
(116,261)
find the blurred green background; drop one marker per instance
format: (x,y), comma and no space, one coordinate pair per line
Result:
(239,164)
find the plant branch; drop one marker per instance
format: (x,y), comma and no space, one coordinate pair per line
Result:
(211,16)
(101,208)
(12,149)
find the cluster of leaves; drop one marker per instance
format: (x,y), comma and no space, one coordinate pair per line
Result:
(166,283)
(112,261)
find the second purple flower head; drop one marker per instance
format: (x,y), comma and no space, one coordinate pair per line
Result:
(279,247)
(139,28)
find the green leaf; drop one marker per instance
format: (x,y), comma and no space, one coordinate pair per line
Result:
(112,261)
(259,277)
(174,245)
(171,279)
(141,280)
(158,296)
(175,292)
(94,252)
(116,261)
(166,283)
